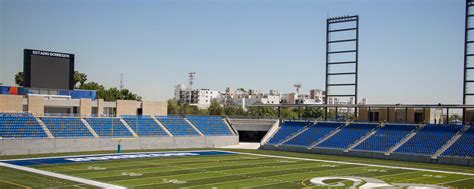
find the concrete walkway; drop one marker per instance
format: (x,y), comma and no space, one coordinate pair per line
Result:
(244,145)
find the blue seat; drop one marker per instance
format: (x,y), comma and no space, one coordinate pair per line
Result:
(429,139)
(314,133)
(109,127)
(463,147)
(20,125)
(211,125)
(144,126)
(66,127)
(386,137)
(347,136)
(177,125)
(287,129)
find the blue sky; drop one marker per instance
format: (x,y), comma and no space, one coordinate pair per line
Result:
(411,51)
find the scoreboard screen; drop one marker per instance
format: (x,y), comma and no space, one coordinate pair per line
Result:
(48,70)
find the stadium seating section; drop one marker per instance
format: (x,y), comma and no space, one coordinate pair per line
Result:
(347,136)
(287,129)
(314,134)
(429,139)
(426,141)
(463,147)
(210,125)
(177,125)
(66,127)
(386,137)
(20,126)
(109,127)
(144,126)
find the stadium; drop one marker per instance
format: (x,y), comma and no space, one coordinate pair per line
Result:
(55,135)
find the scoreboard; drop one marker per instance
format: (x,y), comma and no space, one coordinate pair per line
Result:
(48,70)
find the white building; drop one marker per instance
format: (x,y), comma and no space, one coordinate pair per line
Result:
(200,97)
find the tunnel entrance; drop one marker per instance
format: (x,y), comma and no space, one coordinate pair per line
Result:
(251,136)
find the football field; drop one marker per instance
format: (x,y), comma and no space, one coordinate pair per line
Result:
(239,169)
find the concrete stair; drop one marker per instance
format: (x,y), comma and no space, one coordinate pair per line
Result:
(227,122)
(404,140)
(45,129)
(129,128)
(294,135)
(361,140)
(162,126)
(271,132)
(450,142)
(328,136)
(192,125)
(89,128)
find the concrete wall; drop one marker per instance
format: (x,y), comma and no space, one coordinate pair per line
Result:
(154,108)
(85,107)
(11,103)
(252,124)
(36,105)
(58,145)
(374,155)
(127,107)
(392,118)
(363,114)
(100,106)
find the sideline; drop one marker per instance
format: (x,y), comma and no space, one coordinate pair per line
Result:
(61,176)
(352,163)
(91,155)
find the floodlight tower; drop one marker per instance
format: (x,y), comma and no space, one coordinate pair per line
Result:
(297,87)
(468,79)
(342,53)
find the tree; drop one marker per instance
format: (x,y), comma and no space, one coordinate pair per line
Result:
(80,78)
(232,109)
(20,79)
(313,112)
(111,94)
(215,108)
(173,107)
(262,111)
(100,89)
(287,113)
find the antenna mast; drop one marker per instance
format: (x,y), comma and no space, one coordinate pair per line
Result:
(191,77)
(121,81)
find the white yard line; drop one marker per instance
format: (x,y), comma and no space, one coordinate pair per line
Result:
(443,183)
(61,176)
(363,164)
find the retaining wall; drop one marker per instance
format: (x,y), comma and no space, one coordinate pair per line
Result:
(58,145)
(375,155)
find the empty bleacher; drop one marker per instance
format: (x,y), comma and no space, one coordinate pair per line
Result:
(66,127)
(386,137)
(144,126)
(20,126)
(109,127)
(429,139)
(210,125)
(314,133)
(287,129)
(463,147)
(347,136)
(177,125)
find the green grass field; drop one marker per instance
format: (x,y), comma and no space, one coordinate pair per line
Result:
(237,171)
